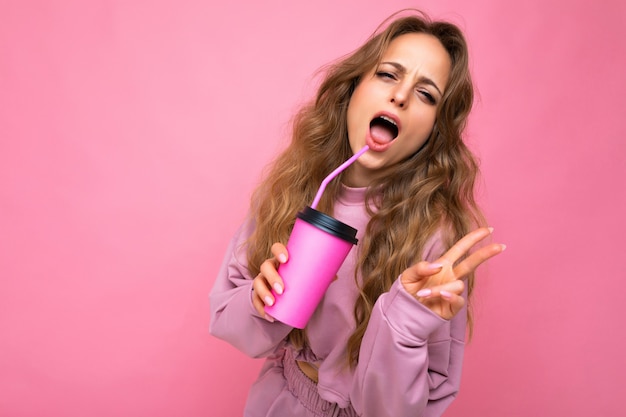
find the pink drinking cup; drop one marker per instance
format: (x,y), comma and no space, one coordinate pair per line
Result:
(317,247)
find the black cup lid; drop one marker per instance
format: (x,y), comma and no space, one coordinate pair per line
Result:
(328,224)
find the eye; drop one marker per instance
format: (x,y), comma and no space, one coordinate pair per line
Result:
(427,96)
(386,75)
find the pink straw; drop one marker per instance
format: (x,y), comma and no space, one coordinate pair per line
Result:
(336,172)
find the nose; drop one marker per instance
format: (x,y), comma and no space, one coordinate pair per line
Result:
(400,95)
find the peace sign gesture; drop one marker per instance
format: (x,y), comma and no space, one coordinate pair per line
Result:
(439,285)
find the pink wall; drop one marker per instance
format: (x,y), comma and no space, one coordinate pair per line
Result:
(132,132)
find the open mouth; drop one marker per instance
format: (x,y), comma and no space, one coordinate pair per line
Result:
(383,129)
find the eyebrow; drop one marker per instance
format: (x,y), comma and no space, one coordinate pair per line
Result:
(422,79)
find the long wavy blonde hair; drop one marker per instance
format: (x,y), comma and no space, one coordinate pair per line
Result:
(432,190)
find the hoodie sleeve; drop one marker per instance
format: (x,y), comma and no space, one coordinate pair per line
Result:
(233,316)
(410,359)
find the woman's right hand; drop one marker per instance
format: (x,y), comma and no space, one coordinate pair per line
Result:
(268,278)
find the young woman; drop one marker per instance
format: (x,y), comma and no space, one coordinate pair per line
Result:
(387,339)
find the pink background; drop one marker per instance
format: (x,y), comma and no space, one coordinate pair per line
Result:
(131,136)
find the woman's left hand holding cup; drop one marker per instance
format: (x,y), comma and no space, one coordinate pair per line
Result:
(268,278)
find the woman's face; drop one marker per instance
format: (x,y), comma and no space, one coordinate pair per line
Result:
(393,108)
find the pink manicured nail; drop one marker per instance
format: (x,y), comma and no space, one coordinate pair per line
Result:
(282,258)
(269,318)
(269,301)
(490,229)
(445,294)
(435,265)
(503,246)
(424,293)
(278,288)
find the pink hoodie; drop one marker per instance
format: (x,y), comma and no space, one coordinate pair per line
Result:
(410,359)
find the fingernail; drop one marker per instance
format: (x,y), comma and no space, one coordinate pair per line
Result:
(435,265)
(269,318)
(424,293)
(490,229)
(445,294)
(278,288)
(282,258)
(503,246)
(269,301)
